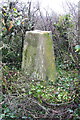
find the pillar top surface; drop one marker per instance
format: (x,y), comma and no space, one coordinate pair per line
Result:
(38,32)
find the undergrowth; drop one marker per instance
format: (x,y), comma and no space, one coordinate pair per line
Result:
(16,83)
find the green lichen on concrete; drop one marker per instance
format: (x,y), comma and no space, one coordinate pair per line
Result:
(29,56)
(29,53)
(50,58)
(38,56)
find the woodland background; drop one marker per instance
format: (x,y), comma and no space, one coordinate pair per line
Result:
(24,98)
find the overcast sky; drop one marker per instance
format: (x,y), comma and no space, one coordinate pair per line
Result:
(56,5)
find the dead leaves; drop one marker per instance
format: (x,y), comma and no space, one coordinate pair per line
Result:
(10,25)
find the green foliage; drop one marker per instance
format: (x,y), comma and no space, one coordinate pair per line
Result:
(66,87)
(77,48)
(7,114)
(63,26)
(62,91)
(11,53)
(65,49)
(15,23)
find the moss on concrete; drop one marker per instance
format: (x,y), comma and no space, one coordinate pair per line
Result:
(38,56)
(49,58)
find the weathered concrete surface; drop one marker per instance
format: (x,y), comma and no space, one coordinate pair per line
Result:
(38,55)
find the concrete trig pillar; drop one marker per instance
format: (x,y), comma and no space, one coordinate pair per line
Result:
(38,55)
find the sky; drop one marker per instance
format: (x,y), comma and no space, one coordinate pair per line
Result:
(58,6)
